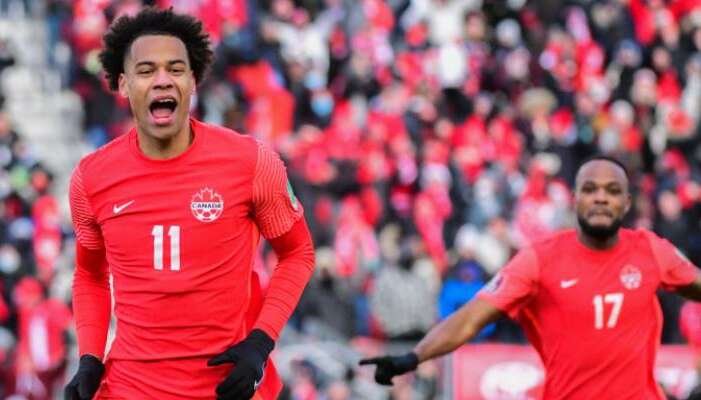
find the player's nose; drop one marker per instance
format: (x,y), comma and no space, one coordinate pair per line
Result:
(162,79)
(600,196)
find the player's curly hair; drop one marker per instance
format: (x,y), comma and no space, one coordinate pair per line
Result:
(153,21)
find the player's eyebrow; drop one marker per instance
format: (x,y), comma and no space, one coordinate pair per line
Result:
(612,184)
(152,63)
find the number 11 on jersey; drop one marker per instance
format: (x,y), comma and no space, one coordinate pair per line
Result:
(174,236)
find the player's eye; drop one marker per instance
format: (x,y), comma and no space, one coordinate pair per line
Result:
(143,72)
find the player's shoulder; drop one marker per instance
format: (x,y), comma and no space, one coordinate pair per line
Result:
(112,151)
(547,248)
(555,242)
(224,139)
(227,136)
(643,238)
(647,240)
(640,234)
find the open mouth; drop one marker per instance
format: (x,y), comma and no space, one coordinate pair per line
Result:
(162,110)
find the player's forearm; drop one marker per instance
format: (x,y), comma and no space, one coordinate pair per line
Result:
(295,252)
(92,317)
(444,338)
(456,330)
(91,301)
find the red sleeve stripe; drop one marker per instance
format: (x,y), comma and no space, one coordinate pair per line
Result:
(86,229)
(274,210)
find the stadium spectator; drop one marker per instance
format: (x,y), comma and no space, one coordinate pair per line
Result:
(40,360)
(461,284)
(327,302)
(401,301)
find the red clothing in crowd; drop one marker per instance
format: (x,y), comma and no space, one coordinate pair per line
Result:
(46,236)
(40,358)
(690,323)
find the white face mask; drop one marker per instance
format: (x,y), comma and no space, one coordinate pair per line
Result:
(9,260)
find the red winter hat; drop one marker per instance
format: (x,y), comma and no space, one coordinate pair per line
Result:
(679,122)
(561,122)
(416,35)
(27,291)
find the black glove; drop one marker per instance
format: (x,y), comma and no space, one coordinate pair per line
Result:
(390,366)
(86,381)
(249,357)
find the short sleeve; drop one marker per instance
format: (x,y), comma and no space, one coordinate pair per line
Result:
(86,229)
(275,205)
(513,286)
(675,269)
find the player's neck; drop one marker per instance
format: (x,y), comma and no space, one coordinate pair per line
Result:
(596,243)
(165,148)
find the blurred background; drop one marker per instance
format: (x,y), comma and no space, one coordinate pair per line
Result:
(428,140)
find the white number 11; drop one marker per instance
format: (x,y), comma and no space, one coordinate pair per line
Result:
(174,236)
(613,298)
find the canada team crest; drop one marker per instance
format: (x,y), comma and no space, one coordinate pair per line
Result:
(631,277)
(207,205)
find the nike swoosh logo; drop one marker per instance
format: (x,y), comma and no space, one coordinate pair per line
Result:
(117,209)
(568,283)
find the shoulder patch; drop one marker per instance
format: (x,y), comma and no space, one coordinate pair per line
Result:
(291,195)
(493,284)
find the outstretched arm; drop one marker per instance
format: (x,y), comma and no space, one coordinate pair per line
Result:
(509,291)
(457,329)
(445,337)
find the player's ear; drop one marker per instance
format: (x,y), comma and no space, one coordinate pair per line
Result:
(123,90)
(629,202)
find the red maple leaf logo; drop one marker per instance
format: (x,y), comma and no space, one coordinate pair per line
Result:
(207,195)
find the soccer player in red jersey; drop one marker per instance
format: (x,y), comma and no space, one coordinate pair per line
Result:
(585,298)
(173,211)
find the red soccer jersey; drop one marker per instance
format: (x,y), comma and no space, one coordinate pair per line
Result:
(593,316)
(180,236)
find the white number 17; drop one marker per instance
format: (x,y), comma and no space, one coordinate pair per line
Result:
(613,298)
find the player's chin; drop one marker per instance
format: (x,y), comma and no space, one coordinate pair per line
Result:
(601,220)
(164,129)
(600,227)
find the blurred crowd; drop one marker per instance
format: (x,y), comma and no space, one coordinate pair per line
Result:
(34,322)
(428,140)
